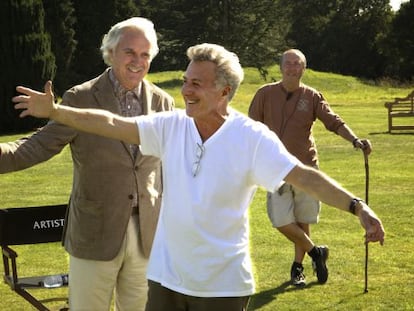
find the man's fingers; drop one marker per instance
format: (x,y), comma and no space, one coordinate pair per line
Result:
(21,102)
(20,98)
(374,239)
(29,92)
(19,106)
(23,114)
(26,91)
(366,146)
(48,88)
(375,234)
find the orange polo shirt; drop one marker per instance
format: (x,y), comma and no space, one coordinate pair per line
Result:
(292,115)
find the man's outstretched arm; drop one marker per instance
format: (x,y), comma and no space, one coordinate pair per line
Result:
(327,190)
(95,121)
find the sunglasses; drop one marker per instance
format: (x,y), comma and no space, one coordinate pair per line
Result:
(199,155)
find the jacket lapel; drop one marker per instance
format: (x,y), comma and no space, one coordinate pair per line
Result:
(105,99)
(104,94)
(147,94)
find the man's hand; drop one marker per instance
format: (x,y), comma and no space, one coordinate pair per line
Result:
(33,103)
(372,224)
(363,144)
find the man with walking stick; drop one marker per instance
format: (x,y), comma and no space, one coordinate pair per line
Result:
(290,109)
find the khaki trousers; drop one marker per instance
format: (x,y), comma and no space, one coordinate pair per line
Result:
(92,283)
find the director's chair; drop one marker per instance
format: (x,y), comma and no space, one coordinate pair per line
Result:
(25,226)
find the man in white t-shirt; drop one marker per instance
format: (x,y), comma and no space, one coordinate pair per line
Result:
(213,160)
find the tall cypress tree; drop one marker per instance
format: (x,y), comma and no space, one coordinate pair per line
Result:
(59,22)
(26,58)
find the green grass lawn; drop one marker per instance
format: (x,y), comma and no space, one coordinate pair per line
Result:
(391,195)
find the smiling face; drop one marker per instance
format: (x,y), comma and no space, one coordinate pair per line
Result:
(131,58)
(204,101)
(292,69)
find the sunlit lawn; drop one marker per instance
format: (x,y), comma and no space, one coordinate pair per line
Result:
(391,195)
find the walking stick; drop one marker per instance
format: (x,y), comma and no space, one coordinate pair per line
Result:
(366,200)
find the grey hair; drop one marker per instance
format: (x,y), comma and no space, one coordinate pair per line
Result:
(295,51)
(228,72)
(111,39)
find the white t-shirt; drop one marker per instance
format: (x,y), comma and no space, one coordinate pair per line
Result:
(201,246)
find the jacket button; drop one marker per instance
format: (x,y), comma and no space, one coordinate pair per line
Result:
(130,196)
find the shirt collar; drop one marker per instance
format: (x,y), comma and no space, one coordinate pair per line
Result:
(119,89)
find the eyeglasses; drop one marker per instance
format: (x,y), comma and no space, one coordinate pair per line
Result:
(199,155)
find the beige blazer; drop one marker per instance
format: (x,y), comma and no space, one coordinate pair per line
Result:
(105,175)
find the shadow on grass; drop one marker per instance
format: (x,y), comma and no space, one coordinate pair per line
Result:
(263,298)
(345,301)
(408,133)
(173,83)
(401,133)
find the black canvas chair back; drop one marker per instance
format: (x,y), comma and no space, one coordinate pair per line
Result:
(31,225)
(28,225)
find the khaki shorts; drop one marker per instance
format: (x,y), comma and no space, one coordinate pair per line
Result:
(290,205)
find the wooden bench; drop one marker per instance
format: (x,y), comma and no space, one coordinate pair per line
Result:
(401,108)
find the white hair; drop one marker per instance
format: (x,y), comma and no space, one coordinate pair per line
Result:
(111,39)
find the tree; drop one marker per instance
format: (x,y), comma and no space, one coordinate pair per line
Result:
(93,19)
(252,29)
(59,22)
(400,43)
(308,21)
(26,58)
(355,33)
(342,36)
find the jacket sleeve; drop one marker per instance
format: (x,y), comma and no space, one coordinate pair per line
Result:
(36,148)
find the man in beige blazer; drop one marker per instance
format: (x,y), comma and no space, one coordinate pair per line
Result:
(116,194)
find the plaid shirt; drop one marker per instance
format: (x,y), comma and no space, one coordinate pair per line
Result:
(130,103)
